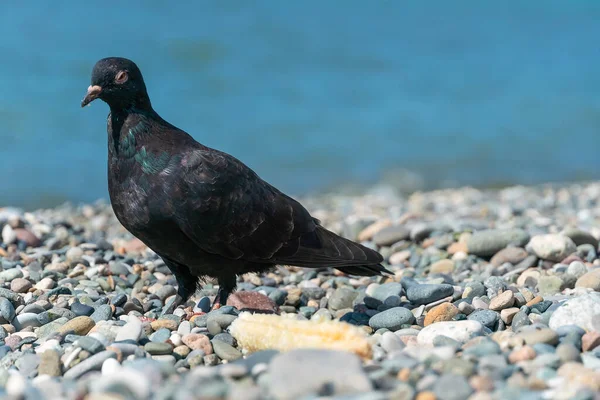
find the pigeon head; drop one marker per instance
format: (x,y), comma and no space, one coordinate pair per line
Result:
(118,82)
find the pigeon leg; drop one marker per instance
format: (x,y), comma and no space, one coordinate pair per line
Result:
(226,286)
(186,283)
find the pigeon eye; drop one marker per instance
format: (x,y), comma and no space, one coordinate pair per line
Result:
(121,77)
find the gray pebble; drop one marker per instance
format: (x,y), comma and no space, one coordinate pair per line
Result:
(93,363)
(156,348)
(102,313)
(392,319)
(225,351)
(427,293)
(488,318)
(89,344)
(452,387)
(342,298)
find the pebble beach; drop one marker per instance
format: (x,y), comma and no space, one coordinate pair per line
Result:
(495,295)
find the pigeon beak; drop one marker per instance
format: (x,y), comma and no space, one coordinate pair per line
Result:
(92,94)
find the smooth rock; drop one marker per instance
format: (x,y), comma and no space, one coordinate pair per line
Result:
(392,319)
(49,363)
(428,293)
(580,237)
(508,314)
(342,298)
(444,266)
(488,318)
(577,269)
(549,285)
(155,348)
(93,363)
(489,242)
(252,301)
(589,280)
(225,351)
(534,336)
(504,300)
(552,247)
(102,313)
(78,325)
(299,373)
(443,312)
(452,387)
(198,341)
(132,330)
(382,292)
(390,235)
(461,331)
(512,255)
(590,340)
(578,311)
(20,285)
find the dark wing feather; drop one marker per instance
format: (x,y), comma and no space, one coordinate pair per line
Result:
(230,211)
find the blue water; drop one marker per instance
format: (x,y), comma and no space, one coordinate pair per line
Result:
(310,94)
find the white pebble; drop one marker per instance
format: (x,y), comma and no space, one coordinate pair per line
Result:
(15,386)
(176,339)
(110,366)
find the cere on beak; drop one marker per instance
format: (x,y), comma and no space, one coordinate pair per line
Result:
(92,94)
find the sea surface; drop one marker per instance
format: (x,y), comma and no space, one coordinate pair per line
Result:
(310,94)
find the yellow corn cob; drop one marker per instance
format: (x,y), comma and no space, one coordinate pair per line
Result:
(256,332)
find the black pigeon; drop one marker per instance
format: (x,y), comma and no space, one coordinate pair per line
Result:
(204,212)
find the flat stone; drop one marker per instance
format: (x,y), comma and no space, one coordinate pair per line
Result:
(444,266)
(512,255)
(20,285)
(198,341)
(78,325)
(451,387)
(534,336)
(488,318)
(578,311)
(461,331)
(590,341)
(392,319)
(299,373)
(164,323)
(7,311)
(89,344)
(225,351)
(390,235)
(155,348)
(549,285)
(580,237)
(443,312)
(82,309)
(252,301)
(428,293)
(342,298)
(102,313)
(552,247)
(504,300)
(132,330)
(93,363)
(508,314)
(578,375)
(577,269)
(590,280)
(391,342)
(489,242)
(11,274)
(50,363)
(520,354)
(382,292)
